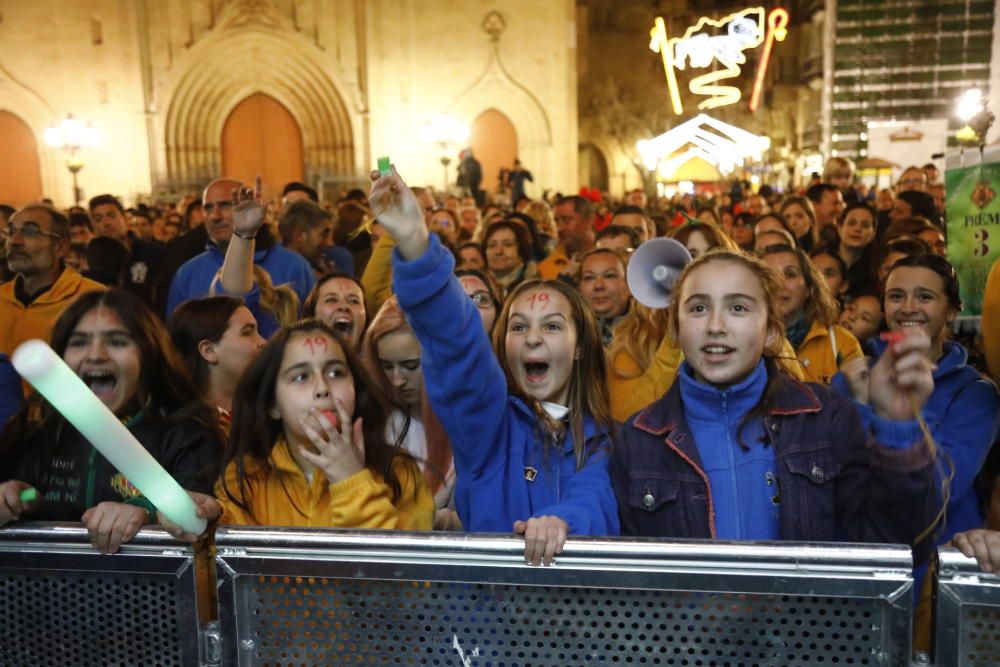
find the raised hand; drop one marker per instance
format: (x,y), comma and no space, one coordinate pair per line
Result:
(340,452)
(901,379)
(248,209)
(858,376)
(206,507)
(396,208)
(544,537)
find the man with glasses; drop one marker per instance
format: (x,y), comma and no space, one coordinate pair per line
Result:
(37,240)
(195,278)
(144,257)
(912,179)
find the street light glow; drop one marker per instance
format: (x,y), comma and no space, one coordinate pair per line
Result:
(970,104)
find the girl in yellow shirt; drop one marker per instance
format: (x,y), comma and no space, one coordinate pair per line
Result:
(308,444)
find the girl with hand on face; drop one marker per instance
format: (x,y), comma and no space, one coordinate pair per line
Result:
(218,338)
(737,449)
(308,445)
(963,412)
(810,314)
(121,351)
(392,358)
(529,425)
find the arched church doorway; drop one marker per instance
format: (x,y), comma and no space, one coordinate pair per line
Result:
(593,168)
(20,168)
(493,140)
(261,137)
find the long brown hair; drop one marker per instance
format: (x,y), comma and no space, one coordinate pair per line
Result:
(805,205)
(165,387)
(254,432)
(588,386)
(820,306)
(391,319)
(770,284)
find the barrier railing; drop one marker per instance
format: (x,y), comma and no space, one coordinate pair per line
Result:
(320,597)
(297,596)
(63,603)
(967,632)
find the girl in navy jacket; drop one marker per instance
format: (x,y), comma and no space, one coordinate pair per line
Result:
(736,449)
(529,425)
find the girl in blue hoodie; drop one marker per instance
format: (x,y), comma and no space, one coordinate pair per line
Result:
(963,412)
(530,424)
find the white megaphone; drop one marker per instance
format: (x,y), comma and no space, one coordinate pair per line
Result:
(654,269)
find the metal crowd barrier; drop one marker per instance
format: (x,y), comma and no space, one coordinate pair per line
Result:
(325,597)
(308,597)
(967,632)
(63,603)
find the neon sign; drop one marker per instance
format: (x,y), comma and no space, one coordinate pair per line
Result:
(699,48)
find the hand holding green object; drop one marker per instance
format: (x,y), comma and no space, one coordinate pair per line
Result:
(384,166)
(29,495)
(65,391)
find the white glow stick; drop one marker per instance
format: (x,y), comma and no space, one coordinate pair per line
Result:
(41,366)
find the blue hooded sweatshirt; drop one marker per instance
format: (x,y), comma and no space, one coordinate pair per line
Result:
(963,414)
(742,479)
(504,471)
(194,279)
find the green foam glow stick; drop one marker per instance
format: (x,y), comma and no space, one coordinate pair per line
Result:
(28,495)
(39,365)
(384,166)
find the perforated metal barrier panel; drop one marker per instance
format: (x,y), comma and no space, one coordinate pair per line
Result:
(62,603)
(470,602)
(968,614)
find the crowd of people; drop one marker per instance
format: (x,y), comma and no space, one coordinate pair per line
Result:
(406,359)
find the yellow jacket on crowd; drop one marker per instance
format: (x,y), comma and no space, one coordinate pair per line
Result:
(638,388)
(19,323)
(377,278)
(550,267)
(285,497)
(824,350)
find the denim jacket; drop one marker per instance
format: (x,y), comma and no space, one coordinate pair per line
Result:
(836,480)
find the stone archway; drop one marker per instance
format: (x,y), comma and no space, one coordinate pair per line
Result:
(207,87)
(593,168)
(260,136)
(20,168)
(493,140)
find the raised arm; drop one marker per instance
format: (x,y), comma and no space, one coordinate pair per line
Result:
(462,377)
(248,217)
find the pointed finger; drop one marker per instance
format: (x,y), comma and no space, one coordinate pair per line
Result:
(258,188)
(235,195)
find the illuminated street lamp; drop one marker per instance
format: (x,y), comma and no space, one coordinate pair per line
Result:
(72,135)
(972,110)
(446,132)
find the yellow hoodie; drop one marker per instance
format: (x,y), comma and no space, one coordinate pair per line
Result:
(285,497)
(19,323)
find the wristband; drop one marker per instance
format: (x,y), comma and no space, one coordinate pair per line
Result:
(244,237)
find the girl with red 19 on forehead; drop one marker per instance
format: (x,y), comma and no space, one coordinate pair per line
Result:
(963,412)
(529,426)
(736,449)
(308,443)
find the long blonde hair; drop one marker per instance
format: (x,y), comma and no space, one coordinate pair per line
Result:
(279,300)
(638,335)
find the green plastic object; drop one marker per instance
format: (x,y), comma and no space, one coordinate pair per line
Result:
(28,495)
(65,391)
(385,166)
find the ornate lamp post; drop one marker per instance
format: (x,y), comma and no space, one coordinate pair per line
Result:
(72,135)
(447,132)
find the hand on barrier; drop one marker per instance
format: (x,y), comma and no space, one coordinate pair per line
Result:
(248,210)
(112,524)
(901,380)
(340,452)
(983,545)
(206,507)
(397,209)
(544,537)
(858,376)
(11,504)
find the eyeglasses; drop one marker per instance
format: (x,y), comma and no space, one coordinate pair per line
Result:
(482,299)
(30,232)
